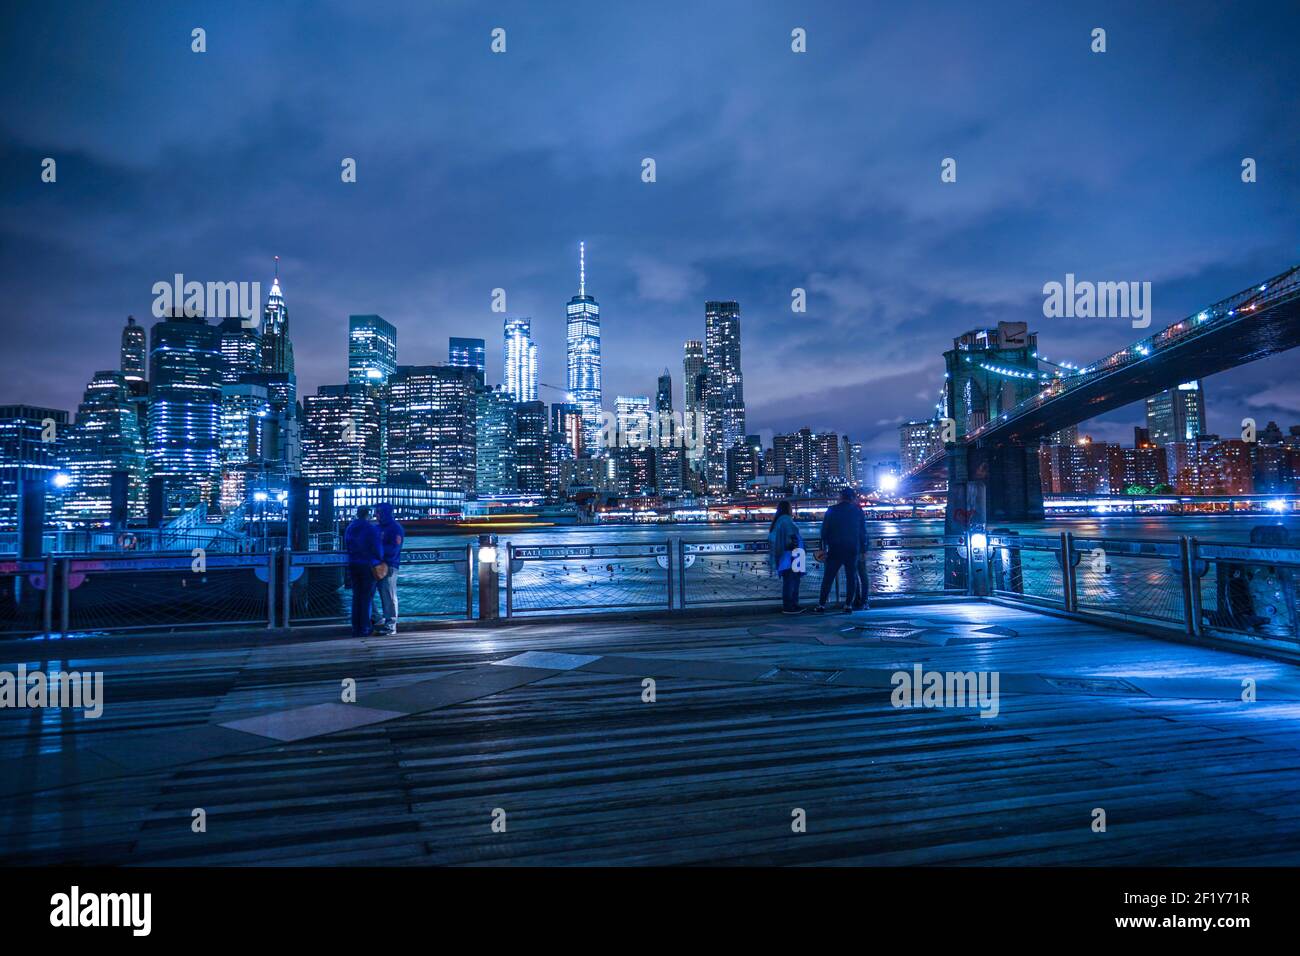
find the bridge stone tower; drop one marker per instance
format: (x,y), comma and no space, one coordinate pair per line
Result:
(989,372)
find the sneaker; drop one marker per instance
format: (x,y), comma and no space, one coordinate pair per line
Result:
(846,609)
(820,609)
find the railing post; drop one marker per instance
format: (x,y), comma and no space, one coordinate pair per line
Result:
(1069,582)
(47,599)
(1194,583)
(64,588)
(286,563)
(270,590)
(469,582)
(1185,564)
(510,579)
(668,556)
(681,574)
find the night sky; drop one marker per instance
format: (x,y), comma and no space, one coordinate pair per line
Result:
(775,170)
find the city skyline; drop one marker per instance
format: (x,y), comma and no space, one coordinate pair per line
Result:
(892,260)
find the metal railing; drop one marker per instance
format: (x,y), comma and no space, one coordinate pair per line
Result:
(678,573)
(1237,592)
(431,583)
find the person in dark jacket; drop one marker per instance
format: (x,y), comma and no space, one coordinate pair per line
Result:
(843,539)
(365,568)
(391,535)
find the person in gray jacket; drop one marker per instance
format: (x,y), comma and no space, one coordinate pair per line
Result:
(786,551)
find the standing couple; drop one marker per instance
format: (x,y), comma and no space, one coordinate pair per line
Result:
(374,553)
(844,545)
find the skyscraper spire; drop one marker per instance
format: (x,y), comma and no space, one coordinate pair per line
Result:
(582,267)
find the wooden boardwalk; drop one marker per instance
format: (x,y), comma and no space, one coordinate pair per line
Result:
(754,717)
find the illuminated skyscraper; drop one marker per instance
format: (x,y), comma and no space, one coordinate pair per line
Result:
(106,438)
(496,431)
(531,442)
(340,438)
(185,408)
(431,425)
(134,347)
(32,444)
(1176,414)
(693,387)
(245,420)
(277,350)
(724,402)
(520,380)
(241,350)
(584,355)
(468,353)
(372,349)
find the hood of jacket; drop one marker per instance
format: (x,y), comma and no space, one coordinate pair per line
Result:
(384,513)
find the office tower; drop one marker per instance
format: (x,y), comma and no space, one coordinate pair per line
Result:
(1084,468)
(1146,466)
(1065,436)
(245,411)
(917,441)
(827,476)
(106,438)
(497,472)
(134,351)
(520,380)
(241,351)
(632,415)
(531,443)
(566,421)
(989,372)
(184,443)
(857,474)
(1176,414)
(277,349)
(692,369)
(670,475)
(792,460)
(25,452)
(340,435)
(744,464)
(372,350)
(468,353)
(694,385)
(583,337)
(724,403)
(431,425)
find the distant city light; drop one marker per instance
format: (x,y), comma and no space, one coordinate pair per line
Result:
(62,479)
(889,482)
(259,496)
(1277,504)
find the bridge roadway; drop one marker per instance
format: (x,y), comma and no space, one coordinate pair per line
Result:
(755,715)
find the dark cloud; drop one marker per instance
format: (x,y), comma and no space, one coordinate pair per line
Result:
(774,171)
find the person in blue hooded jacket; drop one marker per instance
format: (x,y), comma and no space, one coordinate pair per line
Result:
(365,568)
(391,535)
